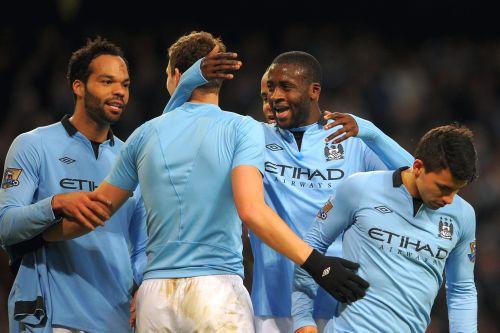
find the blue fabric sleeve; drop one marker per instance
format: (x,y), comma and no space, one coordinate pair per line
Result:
(461,292)
(124,173)
(336,216)
(20,218)
(190,80)
(138,238)
(249,144)
(387,150)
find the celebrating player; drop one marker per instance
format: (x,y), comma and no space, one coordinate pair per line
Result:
(405,228)
(80,284)
(301,171)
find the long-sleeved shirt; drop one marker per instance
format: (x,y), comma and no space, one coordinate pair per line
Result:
(402,253)
(297,183)
(89,278)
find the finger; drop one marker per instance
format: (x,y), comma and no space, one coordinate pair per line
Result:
(227,67)
(80,219)
(341,121)
(101,198)
(220,76)
(333,115)
(360,281)
(91,217)
(215,50)
(347,294)
(222,55)
(356,290)
(335,134)
(349,264)
(99,210)
(343,137)
(222,61)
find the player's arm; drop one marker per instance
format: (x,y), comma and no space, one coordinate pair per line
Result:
(214,66)
(138,238)
(20,219)
(335,216)
(461,291)
(248,192)
(84,211)
(391,154)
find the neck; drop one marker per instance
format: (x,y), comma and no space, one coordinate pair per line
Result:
(410,183)
(203,97)
(92,130)
(314,114)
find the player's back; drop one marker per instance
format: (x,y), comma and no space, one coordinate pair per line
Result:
(184,168)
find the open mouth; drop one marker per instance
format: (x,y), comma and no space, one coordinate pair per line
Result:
(115,106)
(282,112)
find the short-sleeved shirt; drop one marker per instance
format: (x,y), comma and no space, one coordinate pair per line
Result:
(183,161)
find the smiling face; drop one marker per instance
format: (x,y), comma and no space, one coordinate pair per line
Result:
(290,95)
(266,107)
(436,188)
(106,92)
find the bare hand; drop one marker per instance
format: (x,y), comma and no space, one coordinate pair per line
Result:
(133,309)
(89,209)
(307,329)
(215,65)
(349,126)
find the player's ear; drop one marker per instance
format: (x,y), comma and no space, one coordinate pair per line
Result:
(314,91)
(418,167)
(78,88)
(177,76)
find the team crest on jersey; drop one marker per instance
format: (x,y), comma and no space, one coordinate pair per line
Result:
(11,177)
(472,254)
(445,227)
(334,151)
(323,212)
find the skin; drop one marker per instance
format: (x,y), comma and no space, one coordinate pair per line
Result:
(293,99)
(266,107)
(435,188)
(99,102)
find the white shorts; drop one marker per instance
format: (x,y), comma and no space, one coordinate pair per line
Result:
(284,325)
(65,330)
(213,303)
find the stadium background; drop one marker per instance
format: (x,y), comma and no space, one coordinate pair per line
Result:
(406,67)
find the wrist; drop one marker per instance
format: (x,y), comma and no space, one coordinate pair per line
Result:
(56,207)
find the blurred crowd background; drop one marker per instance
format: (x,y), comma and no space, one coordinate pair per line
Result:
(407,72)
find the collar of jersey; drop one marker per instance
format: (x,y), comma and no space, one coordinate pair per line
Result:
(198,107)
(71,130)
(287,133)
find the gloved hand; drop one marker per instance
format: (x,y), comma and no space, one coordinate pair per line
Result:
(336,276)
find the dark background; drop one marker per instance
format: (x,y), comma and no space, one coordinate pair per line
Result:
(408,67)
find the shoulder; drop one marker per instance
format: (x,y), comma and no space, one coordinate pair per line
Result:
(33,138)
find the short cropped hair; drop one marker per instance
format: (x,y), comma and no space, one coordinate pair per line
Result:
(450,146)
(189,48)
(79,63)
(306,61)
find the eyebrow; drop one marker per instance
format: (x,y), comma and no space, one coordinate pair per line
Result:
(107,76)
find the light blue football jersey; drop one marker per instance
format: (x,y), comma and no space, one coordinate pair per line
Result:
(89,279)
(183,162)
(297,184)
(402,254)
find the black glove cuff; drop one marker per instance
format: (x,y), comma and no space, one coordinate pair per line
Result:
(313,262)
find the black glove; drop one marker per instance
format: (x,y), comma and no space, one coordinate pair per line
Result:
(336,276)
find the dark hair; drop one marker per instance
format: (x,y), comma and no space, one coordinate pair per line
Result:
(306,61)
(79,63)
(452,147)
(189,48)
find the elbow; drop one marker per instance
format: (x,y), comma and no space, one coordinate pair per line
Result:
(248,213)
